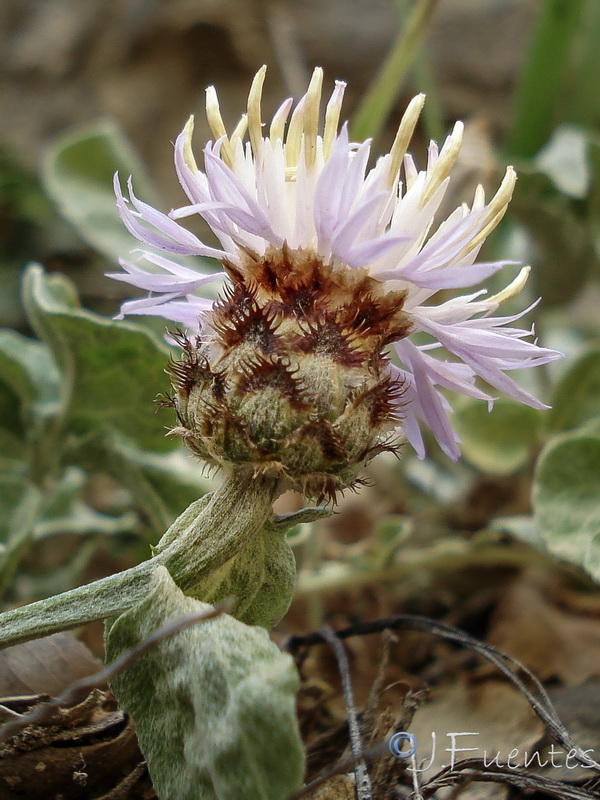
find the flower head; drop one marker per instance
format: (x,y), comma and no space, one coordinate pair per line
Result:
(330,266)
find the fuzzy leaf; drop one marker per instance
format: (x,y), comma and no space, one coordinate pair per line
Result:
(20,503)
(522,527)
(162,485)
(78,175)
(11,419)
(213,705)
(29,397)
(112,371)
(577,395)
(78,172)
(564,160)
(498,441)
(28,367)
(15,497)
(566,496)
(28,393)
(560,235)
(12,449)
(65,512)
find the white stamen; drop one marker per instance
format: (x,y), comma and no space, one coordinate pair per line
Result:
(332,117)
(504,194)
(293,141)
(496,209)
(478,198)
(254,110)
(216,124)
(410,171)
(280,194)
(240,130)
(445,162)
(277,128)
(513,288)
(311,116)
(188,154)
(407,126)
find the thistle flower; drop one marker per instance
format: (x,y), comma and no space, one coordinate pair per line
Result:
(306,364)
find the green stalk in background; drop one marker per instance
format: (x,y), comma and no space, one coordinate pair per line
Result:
(379,100)
(543,75)
(425,82)
(582,106)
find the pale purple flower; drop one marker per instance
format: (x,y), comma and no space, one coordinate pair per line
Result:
(313,190)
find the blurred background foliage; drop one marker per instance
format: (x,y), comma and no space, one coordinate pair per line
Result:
(88,478)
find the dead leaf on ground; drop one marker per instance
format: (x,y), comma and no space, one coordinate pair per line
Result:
(84,752)
(553,630)
(579,709)
(45,666)
(493,720)
(340,787)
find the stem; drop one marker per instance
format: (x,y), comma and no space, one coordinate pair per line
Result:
(583,102)
(337,576)
(104,598)
(424,81)
(543,76)
(311,563)
(379,100)
(202,539)
(236,511)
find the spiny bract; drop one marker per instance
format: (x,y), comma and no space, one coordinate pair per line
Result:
(292,379)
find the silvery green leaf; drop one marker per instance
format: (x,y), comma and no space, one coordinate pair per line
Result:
(111,371)
(17,495)
(576,397)
(12,449)
(20,502)
(175,476)
(77,174)
(64,511)
(565,161)
(499,441)
(565,496)
(28,367)
(83,520)
(213,704)
(522,527)
(29,382)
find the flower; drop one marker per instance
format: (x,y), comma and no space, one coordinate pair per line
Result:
(299,216)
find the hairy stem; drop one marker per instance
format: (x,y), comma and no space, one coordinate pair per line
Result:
(210,532)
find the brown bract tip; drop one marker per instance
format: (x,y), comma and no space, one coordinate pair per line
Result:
(260,372)
(299,284)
